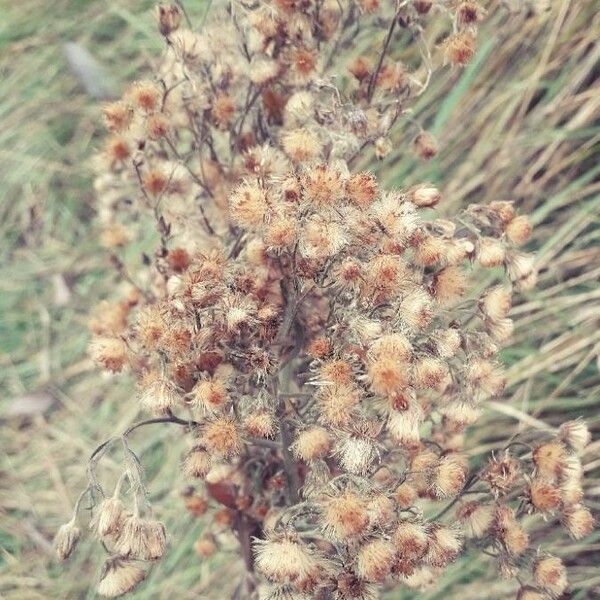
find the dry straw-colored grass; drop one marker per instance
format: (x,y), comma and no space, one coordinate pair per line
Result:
(519,123)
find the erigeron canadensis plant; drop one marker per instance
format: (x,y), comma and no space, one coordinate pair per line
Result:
(320,340)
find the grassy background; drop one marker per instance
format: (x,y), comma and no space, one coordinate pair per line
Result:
(521,123)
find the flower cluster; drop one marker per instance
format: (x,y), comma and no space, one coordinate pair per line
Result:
(323,342)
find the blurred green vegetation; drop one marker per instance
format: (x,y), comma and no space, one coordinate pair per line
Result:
(519,123)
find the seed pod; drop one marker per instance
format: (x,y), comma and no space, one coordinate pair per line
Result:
(66,539)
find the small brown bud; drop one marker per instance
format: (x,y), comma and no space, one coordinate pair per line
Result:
(168,17)
(425,145)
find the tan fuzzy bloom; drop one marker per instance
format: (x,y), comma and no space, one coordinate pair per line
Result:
(449,285)
(158,394)
(299,108)
(430,373)
(109,352)
(387,376)
(571,487)
(416,309)
(261,424)
(485,377)
(155,182)
(510,532)
(381,510)
(503,210)
(355,454)
(405,495)
(404,425)
(344,516)
(578,521)
(336,403)
(393,345)
(109,518)
(119,576)
(210,394)
(550,460)
(501,473)
(575,435)
(362,189)
(285,560)
(518,231)
(263,70)
(117,116)
(256,252)
(281,233)
(449,475)
(544,495)
(336,371)
(197,462)
(446,342)
(421,467)
(248,205)
(312,444)
(468,13)
(117,149)
(157,126)
(444,546)
(320,348)
(375,560)
(428,249)
(323,186)
(520,267)
(223,111)
(550,574)
(497,303)
(301,145)
(303,61)
(500,330)
(66,539)
(425,145)
(145,95)
(490,252)
(425,195)
(222,437)
(141,538)
(205,547)
(459,48)
(476,518)
(411,540)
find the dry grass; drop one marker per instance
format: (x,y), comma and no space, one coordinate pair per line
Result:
(519,123)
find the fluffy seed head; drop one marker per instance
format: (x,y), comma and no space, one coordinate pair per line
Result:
(411,540)
(575,435)
(119,576)
(301,145)
(345,516)
(312,444)
(197,462)
(578,521)
(375,560)
(459,48)
(221,437)
(66,540)
(476,518)
(550,574)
